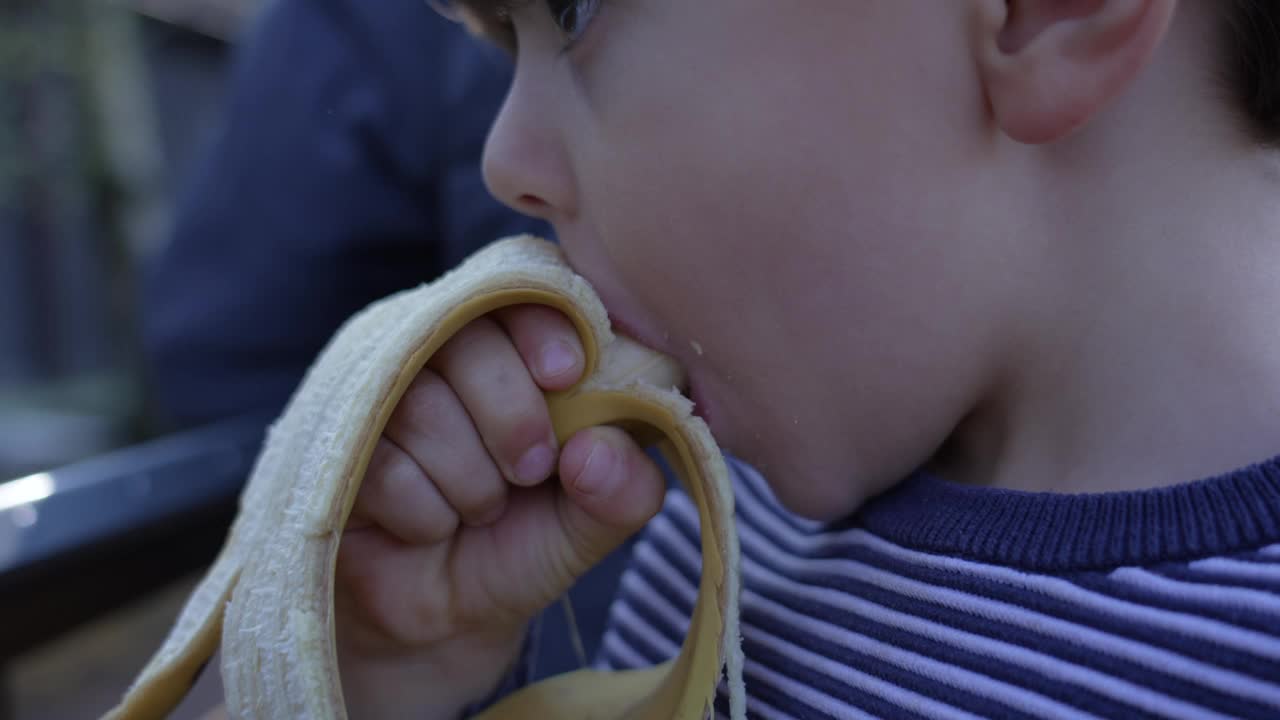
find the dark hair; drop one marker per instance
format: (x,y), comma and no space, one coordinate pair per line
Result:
(1253,47)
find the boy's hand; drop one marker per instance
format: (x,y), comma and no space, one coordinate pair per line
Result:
(456,538)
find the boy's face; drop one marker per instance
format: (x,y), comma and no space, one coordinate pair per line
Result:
(774,192)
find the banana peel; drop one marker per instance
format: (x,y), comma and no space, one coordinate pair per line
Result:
(269,595)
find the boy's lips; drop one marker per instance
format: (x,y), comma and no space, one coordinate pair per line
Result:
(623,327)
(699,401)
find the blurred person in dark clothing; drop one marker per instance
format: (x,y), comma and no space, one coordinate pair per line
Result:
(347,168)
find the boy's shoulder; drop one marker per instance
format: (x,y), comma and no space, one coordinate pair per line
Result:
(944,599)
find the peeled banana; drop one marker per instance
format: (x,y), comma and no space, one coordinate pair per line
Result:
(269,595)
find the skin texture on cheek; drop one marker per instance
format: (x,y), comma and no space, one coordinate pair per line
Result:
(770,222)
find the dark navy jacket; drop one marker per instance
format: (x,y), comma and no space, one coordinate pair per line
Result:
(347,168)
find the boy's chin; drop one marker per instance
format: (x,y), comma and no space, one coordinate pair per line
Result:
(803,493)
(819,507)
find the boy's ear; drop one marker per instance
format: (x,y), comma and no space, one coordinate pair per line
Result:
(1051,65)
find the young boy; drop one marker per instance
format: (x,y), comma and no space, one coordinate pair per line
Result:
(987,289)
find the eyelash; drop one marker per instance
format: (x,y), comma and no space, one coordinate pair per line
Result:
(573,17)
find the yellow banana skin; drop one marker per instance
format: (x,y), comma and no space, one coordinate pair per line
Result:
(269,595)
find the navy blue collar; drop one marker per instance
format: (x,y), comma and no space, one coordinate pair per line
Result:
(1048,532)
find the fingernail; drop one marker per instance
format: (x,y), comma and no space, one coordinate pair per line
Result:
(557,359)
(536,465)
(597,473)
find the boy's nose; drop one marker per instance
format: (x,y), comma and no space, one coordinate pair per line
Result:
(525,163)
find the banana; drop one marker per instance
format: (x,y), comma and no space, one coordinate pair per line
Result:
(269,594)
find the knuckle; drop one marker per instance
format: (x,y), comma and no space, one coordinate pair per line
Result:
(473,483)
(482,509)
(430,404)
(380,482)
(472,337)
(440,529)
(486,498)
(398,477)
(515,415)
(524,430)
(477,491)
(436,523)
(378,474)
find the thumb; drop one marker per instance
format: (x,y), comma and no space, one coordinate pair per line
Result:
(611,489)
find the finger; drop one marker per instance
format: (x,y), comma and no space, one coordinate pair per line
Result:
(612,488)
(507,408)
(378,580)
(551,535)
(397,496)
(434,429)
(547,342)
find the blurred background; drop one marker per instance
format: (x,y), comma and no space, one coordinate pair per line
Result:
(104,104)
(343,166)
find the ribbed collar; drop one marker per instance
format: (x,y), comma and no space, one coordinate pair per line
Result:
(1056,532)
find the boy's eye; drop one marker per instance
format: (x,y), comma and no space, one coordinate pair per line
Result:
(573,16)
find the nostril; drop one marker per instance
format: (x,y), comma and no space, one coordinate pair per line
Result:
(533,203)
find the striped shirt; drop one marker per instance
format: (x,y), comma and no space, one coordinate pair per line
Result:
(945,601)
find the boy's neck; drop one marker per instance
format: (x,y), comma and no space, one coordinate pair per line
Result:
(1156,358)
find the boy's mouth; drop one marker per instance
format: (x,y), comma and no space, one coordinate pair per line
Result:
(623,327)
(691,388)
(699,401)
